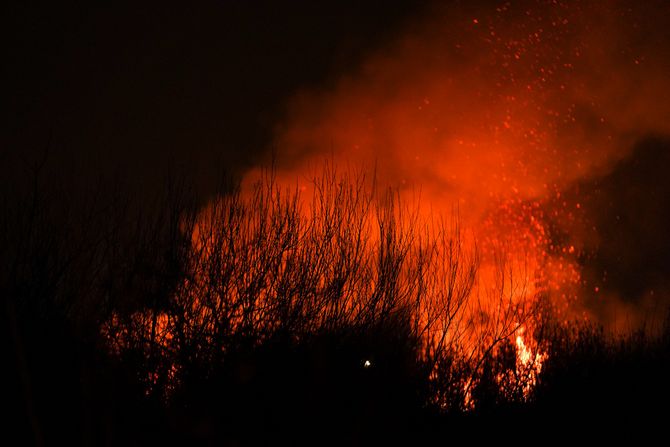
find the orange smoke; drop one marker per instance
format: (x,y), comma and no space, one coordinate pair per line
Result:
(495,110)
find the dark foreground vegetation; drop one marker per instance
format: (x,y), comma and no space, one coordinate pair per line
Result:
(263,321)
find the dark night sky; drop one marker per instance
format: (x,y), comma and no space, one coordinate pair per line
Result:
(130,85)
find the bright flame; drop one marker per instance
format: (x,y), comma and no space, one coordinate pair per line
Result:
(529,363)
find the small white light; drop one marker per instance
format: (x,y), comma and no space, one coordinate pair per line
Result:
(367,364)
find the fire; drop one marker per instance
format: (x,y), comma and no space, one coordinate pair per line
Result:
(529,363)
(495,116)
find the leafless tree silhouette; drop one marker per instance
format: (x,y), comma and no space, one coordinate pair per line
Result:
(336,306)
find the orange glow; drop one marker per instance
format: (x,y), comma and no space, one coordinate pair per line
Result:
(495,114)
(495,111)
(495,117)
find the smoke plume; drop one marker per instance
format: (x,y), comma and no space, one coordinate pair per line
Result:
(515,112)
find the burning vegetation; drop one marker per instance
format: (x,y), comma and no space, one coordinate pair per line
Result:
(498,254)
(272,264)
(342,305)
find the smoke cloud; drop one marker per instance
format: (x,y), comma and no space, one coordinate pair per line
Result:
(516,112)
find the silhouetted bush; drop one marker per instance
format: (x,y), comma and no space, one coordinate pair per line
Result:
(269,315)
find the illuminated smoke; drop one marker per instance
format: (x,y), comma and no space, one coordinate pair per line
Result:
(498,110)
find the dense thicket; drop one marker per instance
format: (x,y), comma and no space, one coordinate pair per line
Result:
(271,314)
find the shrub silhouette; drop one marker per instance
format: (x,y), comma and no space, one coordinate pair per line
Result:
(251,320)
